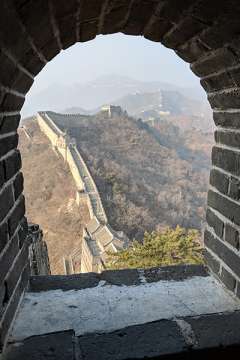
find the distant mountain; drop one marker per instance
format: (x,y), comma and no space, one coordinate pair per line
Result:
(160,101)
(75,110)
(93,94)
(171,105)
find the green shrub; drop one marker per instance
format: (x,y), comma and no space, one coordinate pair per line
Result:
(167,247)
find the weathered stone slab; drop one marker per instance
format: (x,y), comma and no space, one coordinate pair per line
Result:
(70,282)
(175,273)
(135,342)
(121,277)
(56,346)
(216,330)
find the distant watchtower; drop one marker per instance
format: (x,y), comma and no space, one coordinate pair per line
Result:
(111,110)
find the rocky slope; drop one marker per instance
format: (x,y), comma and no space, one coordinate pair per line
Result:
(50,194)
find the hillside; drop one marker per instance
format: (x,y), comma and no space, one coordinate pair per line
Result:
(169,105)
(147,179)
(50,194)
(171,101)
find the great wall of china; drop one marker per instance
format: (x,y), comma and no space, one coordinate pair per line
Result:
(98,237)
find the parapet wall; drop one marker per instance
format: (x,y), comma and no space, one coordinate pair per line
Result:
(39,261)
(58,141)
(102,238)
(82,177)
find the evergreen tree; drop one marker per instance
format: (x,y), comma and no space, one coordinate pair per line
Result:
(168,247)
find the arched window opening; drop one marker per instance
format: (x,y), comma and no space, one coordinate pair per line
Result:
(117,162)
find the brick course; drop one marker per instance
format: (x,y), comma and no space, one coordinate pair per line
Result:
(227,160)
(215,222)
(223,252)
(17,215)
(6,201)
(228,279)
(219,180)
(12,164)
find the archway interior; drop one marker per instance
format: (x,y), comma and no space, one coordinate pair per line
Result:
(148,85)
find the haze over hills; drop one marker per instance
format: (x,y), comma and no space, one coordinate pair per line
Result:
(171,105)
(162,105)
(165,100)
(106,89)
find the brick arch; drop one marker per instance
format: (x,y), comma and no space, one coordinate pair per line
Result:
(204,33)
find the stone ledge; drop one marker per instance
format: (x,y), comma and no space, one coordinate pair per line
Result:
(183,338)
(165,337)
(103,306)
(174,273)
(63,282)
(126,277)
(55,346)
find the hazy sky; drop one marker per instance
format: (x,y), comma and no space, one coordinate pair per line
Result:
(131,56)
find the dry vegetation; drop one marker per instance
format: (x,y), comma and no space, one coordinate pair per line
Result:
(148,178)
(50,194)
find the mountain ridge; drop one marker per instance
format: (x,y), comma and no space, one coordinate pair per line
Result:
(91,95)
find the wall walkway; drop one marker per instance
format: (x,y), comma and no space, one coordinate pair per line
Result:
(99,238)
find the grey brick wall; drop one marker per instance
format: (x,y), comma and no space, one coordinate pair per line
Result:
(203,33)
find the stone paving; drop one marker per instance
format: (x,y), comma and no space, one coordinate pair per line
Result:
(127,314)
